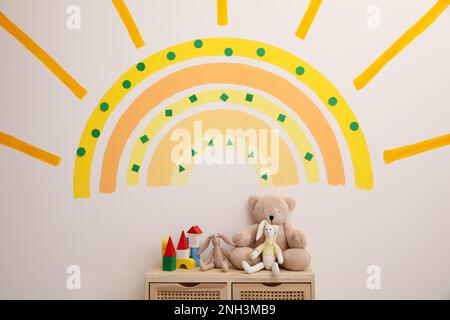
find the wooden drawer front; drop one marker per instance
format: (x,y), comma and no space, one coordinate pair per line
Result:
(271,291)
(188,291)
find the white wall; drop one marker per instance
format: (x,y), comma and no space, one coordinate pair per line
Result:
(402,225)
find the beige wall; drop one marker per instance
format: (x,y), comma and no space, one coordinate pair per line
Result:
(402,225)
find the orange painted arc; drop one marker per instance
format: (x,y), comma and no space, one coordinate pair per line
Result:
(238,74)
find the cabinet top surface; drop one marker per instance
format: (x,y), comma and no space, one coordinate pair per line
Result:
(217,275)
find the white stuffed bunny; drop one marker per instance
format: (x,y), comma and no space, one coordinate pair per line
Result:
(271,252)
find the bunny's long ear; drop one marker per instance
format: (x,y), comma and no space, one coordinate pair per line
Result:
(204,245)
(227,240)
(261,226)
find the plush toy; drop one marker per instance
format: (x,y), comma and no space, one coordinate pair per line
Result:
(271,252)
(292,242)
(218,256)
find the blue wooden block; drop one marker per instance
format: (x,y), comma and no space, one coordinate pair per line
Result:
(195,256)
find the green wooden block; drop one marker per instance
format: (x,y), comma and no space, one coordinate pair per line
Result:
(169,263)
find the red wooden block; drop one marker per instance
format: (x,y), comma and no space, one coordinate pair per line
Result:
(170,249)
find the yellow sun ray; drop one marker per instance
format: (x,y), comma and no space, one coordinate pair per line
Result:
(222,12)
(43,56)
(420,26)
(29,149)
(308,18)
(129,23)
(413,149)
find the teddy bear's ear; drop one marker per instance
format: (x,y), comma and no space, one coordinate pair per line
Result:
(252,201)
(290,202)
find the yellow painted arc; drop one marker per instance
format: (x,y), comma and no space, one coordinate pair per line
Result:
(163,168)
(240,97)
(182,179)
(224,47)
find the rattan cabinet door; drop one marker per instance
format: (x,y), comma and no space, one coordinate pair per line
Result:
(188,291)
(271,291)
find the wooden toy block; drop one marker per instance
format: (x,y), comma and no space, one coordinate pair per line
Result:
(164,245)
(188,263)
(170,249)
(195,256)
(194,235)
(169,256)
(183,247)
(169,263)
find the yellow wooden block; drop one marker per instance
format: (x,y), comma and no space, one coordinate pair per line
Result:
(164,245)
(188,263)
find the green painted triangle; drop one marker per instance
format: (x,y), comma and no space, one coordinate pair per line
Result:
(251,155)
(229,143)
(181,168)
(211,143)
(264,176)
(193,152)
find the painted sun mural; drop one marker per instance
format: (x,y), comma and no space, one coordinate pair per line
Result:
(302,115)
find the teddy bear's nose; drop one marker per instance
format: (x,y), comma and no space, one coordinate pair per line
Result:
(271,218)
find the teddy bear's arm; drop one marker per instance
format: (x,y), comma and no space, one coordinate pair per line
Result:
(246,237)
(295,238)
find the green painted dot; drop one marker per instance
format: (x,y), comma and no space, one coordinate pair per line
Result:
(251,154)
(135,168)
(224,97)
(168,112)
(354,126)
(228,52)
(171,55)
(211,143)
(261,52)
(181,168)
(198,43)
(229,143)
(249,97)
(81,151)
(95,133)
(308,156)
(144,138)
(140,66)
(126,84)
(300,70)
(193,98)
(281,117)
(332,101)
(104,106)
(265,176)
(193,152)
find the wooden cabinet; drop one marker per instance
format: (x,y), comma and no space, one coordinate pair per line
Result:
(236,284)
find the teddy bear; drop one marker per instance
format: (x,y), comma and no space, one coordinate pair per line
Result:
(276,210)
